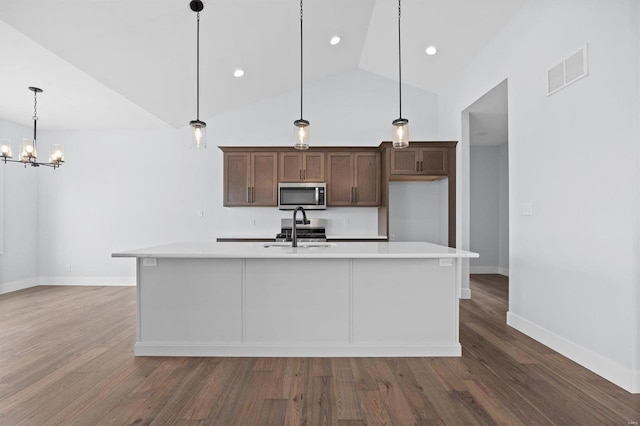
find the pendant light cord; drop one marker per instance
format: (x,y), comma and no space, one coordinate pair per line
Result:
(198,68)
(301,61)
(399,61)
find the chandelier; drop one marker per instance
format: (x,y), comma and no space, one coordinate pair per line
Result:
(29,154)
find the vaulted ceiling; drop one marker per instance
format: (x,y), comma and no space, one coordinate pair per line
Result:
(124,63)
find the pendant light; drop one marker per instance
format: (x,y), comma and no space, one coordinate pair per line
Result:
(302,125)
(29,152)
(199,128)
(400,125)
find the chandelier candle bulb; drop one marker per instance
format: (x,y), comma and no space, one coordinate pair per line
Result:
(5,148)
(56,154)
(28,148)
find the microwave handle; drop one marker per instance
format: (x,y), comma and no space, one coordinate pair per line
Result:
(317,195)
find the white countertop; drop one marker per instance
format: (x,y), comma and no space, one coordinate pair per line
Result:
(329,237)
(246,250)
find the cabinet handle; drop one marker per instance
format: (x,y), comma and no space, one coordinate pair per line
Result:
(253,196)
(421,166)
(351,200)
(417,166)
(355,198)
(249,194)
(300,174)
(304,174)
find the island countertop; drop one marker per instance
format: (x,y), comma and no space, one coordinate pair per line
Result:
(338,250)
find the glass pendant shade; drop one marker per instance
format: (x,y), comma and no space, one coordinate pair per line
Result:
(199,133)
(302,134)
(5,148)
(400,135)
(56,154)
(28,150)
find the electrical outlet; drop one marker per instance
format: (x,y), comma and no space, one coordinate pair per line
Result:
(200,213)
(526,209)
(392,237)
(252,222)
(149,261)
(446,262)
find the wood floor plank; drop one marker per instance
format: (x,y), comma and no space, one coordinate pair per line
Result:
(66,357)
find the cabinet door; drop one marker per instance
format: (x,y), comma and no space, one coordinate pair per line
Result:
(367,178)
(434,161)
(264,182)
(405,161)
(237,178)
(340,189)
(313,167)
(290,168)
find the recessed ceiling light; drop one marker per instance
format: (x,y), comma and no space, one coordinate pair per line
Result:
(238,73)
(334,40)
(431,50)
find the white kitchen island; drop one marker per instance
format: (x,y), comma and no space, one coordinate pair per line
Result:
(349,299)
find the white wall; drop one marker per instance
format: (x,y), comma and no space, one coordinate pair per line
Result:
(573,155)
(122,189)
(503,209)
(484,198)
(418,211)
(489,221)
(19,258)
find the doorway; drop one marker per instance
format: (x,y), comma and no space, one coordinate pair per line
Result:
(488,139)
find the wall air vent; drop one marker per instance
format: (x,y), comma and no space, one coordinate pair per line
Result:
(566,72)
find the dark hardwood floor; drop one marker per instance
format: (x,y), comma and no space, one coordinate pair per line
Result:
(66,357)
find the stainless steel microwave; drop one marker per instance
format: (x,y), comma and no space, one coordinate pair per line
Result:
(310,196)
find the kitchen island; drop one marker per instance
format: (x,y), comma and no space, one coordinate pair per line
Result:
(340,299)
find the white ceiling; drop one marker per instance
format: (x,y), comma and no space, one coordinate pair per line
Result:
(124,63)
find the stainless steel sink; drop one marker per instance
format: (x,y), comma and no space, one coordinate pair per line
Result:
(300,245)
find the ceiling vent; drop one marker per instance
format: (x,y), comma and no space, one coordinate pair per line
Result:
(566,72)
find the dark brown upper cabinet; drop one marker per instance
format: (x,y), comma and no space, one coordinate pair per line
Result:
(419,161)
(250,178)
(301,167)
(353,178)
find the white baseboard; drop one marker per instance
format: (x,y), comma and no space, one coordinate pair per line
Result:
(10,286)
(489,270)
(626,378)
(465,293)
(483,269)
(88,281)
(295,350)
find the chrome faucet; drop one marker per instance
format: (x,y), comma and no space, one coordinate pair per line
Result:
(294,235)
